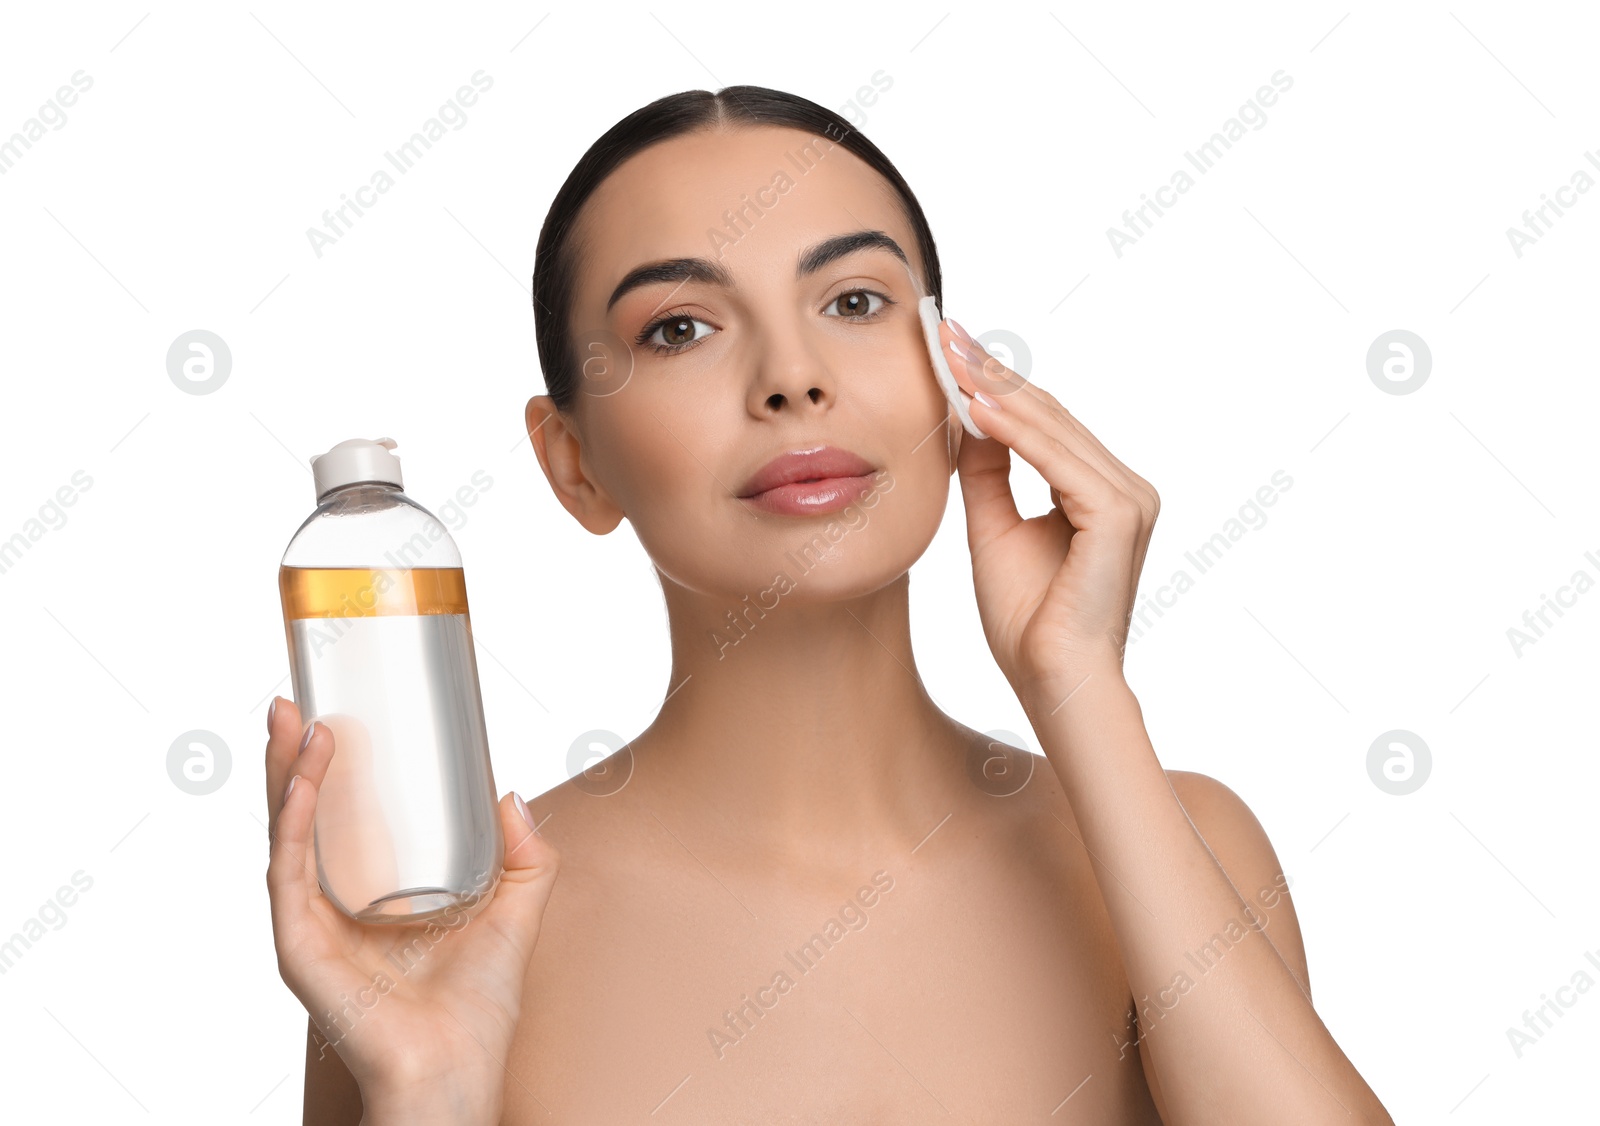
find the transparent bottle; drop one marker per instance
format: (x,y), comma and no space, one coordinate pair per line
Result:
(380,651)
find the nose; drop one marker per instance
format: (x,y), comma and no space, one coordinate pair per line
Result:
(791,375)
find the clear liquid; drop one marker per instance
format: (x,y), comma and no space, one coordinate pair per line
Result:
(407,822)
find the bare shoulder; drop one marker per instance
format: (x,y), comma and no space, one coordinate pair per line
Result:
(606,863)
(1236,838)
(1019,798)
(564,810)
(587,810)
(613,834)
(1043,816)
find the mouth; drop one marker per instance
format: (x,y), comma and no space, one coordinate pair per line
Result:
(807,482)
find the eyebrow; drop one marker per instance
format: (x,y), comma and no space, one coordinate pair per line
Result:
(812,259)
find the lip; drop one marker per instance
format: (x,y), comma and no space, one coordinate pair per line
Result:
(803,482)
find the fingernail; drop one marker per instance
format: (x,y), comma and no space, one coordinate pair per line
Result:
(272,711)
(961,350)
(522,808)
(289,789)
(305,740)
(986,401)
(965,335)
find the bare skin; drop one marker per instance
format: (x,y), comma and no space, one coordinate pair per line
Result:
(996,971)
(988,969)
(985,982)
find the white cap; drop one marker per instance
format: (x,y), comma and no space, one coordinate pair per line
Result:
(353,460)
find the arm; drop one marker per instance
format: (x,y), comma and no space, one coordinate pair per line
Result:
(332,1095)
(334,1098)
(1234,836)
(1227,1030)
(1239,1043)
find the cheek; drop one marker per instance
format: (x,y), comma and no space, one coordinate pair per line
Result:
(899,378)
(643,454)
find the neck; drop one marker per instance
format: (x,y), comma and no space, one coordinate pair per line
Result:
(805,723)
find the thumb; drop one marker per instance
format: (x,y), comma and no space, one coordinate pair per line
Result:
(984,466)
(530,868)
(526,850)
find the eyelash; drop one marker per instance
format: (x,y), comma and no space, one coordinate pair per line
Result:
(649,330)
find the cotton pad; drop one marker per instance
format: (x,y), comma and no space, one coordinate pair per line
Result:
(927,310)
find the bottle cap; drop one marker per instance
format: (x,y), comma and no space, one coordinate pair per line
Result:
(355,460)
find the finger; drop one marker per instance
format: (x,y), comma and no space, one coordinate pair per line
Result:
(1094,450)
(1141,490)
(1087,446)
(1085,492)
(985,468)
(291,870)
(521,895)
(283,744)
(975,369)
(313,755)
(1024,410)
(311,960)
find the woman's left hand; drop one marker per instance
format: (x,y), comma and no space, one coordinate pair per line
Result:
(1055,592)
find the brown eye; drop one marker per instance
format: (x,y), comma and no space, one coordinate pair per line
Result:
(673,333)
(856,305)
(853,303)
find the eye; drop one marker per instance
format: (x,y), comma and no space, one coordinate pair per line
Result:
(852,305)
(676,330)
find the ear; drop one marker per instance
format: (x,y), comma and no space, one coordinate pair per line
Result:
(560,453)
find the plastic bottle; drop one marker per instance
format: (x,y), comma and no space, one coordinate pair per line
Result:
(380,651)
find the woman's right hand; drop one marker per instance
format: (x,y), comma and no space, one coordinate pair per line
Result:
(440,1031)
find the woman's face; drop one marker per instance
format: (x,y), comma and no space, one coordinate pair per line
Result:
(697,378)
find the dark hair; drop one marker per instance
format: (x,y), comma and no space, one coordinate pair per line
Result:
(555,261)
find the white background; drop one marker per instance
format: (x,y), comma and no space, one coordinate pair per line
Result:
(1229,343)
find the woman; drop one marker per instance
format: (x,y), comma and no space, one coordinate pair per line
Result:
(804,893)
